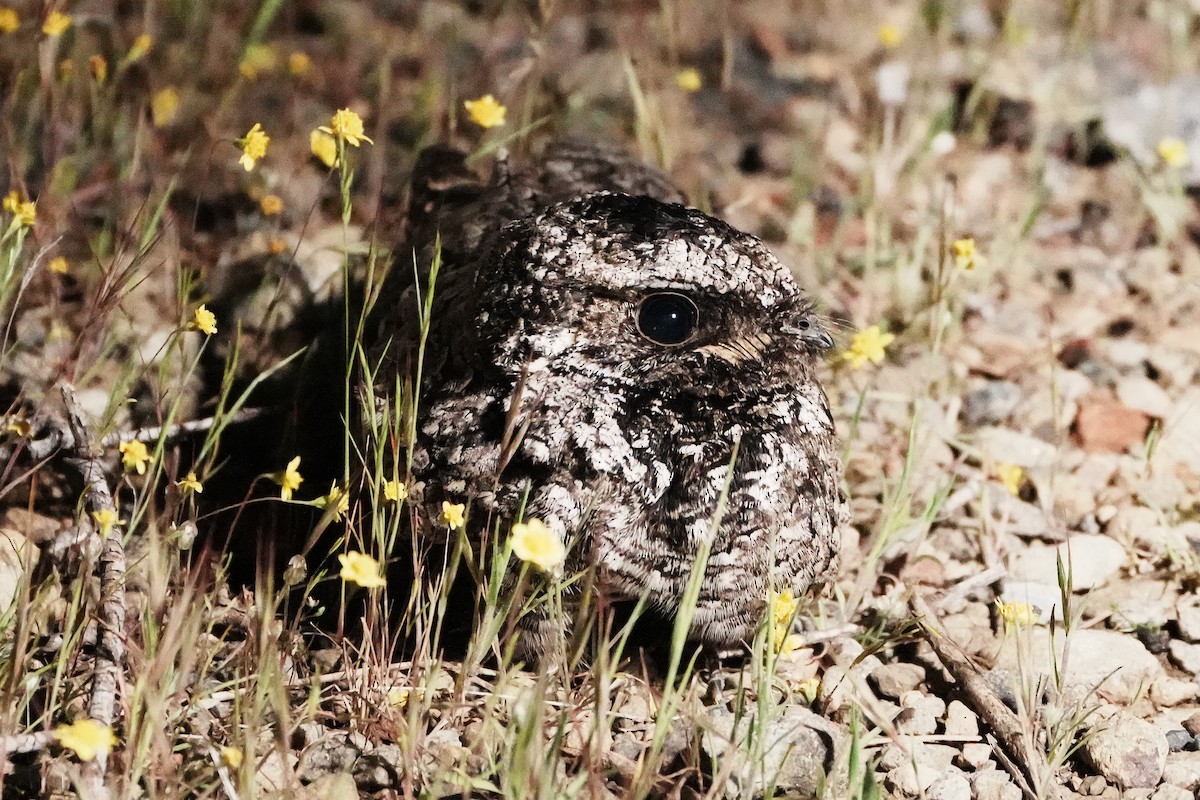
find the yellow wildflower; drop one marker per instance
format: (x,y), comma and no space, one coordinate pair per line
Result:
(299,63)
(254,146)
(486,112)
(689,79)
(783,607)
(25,211)
(271,204)
(204,320)
(964,253)
(787,643)
(259,58)
(66,70)
(59,265)
(141,46)
(98,64)
(107,519)
(533,541)
(397,696)
(453,514)
(808,689)
(1011,476)
(232,757)
(289,480)
(18,426)
(394,491)
(275,246)
(9,20)
(338,499)
(890,35)
(868,345)
(361,569)
(347,126)
(56,24)
(134,456)
(1173,152)
(1016,615)
(87,738)
(164,105)
(324,147)
(190,484)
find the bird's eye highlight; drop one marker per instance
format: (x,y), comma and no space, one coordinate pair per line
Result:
(668,318)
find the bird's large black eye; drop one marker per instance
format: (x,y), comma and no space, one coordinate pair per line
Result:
(668,318)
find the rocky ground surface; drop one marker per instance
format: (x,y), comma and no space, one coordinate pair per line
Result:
(1016,612)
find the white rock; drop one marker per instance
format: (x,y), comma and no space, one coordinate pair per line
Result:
(1183,770)
(961,720)
(1010,447)
(1188,618)
(1167,692)
(976,755)
(1186,656)
(1117,663)
(992,784)
(1144,395)
(1127,751)
(951,786)
(1169,792)
(1090,561)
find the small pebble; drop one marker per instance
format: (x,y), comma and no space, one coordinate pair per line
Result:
(1178,740)
(1127,750)
(1185,656)
(1188,620)
(951,786)
(893,680)
(976,755)
(1167,692)
(960,720)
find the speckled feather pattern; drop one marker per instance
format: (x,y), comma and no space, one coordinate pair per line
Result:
(624,445)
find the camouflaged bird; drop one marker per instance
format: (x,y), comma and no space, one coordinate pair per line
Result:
(603,350)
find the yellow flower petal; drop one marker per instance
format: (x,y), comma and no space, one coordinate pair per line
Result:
(289,480)
(204,321)
(324,147)
(190,484)
(1173,152)
(164,106)
(347,125)
(271,204)
(134,456)
(361,569)
(689,79)
(453,514)
(394,491)
(486,112)
(964,253)
(9,20)
(868,346)
(534,542)
(87,738)
(338,499)
(56,24)
(1011,476)
(254,146)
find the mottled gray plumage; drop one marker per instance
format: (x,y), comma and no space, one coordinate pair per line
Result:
(623,443)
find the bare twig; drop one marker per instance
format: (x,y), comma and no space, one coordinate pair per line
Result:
(87,459)
(24,743)
(1017,751)
(182,429)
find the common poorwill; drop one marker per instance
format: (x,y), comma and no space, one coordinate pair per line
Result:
(602,349)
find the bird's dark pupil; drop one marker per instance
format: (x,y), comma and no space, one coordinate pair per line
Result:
(668,318)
